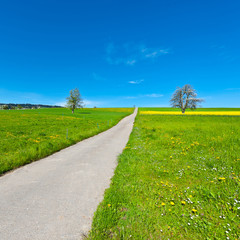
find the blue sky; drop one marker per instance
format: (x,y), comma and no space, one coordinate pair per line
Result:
(118,52)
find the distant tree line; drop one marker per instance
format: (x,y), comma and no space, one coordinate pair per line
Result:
(7,106)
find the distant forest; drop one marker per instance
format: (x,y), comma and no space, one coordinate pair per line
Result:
(7,106)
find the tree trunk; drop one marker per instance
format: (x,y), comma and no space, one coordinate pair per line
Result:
(72,110)
(183,111)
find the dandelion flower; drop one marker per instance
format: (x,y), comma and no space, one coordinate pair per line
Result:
(109,205)
(183,202)
(172,203)
(221,178)
(163,204)
(194,210)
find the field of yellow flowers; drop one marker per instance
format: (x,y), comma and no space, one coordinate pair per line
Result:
(206,113)
(178,178)
(28,135)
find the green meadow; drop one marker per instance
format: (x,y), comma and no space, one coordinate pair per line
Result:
(28,135)
(178,178)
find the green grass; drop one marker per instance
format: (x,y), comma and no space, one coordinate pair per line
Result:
(28,135)
(178,178)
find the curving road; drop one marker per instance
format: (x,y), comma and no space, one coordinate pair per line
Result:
(56,197)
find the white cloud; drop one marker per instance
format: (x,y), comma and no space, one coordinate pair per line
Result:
(153,54)
(130,97)
(152,95)
(130,54)
(62,104)
(136,82)
(131,62)
(92,103)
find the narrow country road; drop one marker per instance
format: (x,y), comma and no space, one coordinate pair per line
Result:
(55,198)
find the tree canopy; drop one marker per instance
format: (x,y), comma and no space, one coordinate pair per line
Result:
(185,97)
(74,100)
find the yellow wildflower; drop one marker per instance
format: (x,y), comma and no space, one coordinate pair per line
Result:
(220,113)
(221,178)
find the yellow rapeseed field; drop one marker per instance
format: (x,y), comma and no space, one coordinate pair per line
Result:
(216,113)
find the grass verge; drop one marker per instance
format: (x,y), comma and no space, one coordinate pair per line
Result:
(178,178)
(28,135)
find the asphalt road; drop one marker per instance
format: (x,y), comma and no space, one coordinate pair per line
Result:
(56,197)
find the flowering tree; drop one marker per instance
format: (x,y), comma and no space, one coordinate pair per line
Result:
(185,97)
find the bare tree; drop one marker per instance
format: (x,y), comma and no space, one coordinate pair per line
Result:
(185,97)
(74,100)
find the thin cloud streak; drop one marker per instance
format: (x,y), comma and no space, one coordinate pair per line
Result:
(129,54)
(92,103)
(130,97)
(136,82)
(152,95)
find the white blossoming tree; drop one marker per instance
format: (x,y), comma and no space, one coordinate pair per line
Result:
(185,97)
